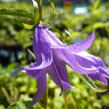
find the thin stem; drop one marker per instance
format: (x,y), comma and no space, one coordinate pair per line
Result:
(6,95)
(46,97)
(40,9)
(32,54)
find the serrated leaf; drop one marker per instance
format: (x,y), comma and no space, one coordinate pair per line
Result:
(15,12)
(91,84)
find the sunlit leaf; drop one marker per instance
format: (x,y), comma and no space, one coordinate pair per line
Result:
(91,84)
(20,105)
(27,26)
(98,25)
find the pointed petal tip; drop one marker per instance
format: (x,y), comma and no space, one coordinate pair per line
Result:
(81,46)
(91,37)
(41,88)
(22,67)
(93,34)
(32,103)
(66,86)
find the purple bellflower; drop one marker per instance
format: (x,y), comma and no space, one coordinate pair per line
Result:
(52,56)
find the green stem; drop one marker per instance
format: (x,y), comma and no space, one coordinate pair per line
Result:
(6,95)
(40,9)
(46,97)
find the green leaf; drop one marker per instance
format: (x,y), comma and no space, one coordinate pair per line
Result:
(27,26)
(96,3)
(15,12)
(17,22)
(20,105)
(35,11)
(91,84)
(53,14)
(98,25)
(2,107)
(20,23)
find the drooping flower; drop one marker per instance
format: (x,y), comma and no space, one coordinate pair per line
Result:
(52,56)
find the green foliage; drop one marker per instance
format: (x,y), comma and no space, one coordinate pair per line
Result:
(20,105)
(15,12)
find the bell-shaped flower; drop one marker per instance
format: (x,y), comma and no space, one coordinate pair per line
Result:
(52,56)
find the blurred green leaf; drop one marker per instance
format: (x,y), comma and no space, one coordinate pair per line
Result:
(96,3)
(21,24)
(20,105)
(2,107)
(98,25)
(27,26)
(15,12)
(35,11)
(53,14)
(17,22)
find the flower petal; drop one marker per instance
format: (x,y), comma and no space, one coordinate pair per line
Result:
(70,59)
(99,77)
(61,68)
(104,71)
(66,86)
(36,48)
(56,43)
(43,51)
(41,79)
(87,60)
(85,44)
(93,59)
(58,79)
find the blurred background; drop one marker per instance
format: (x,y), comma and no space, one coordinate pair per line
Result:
(71,22)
